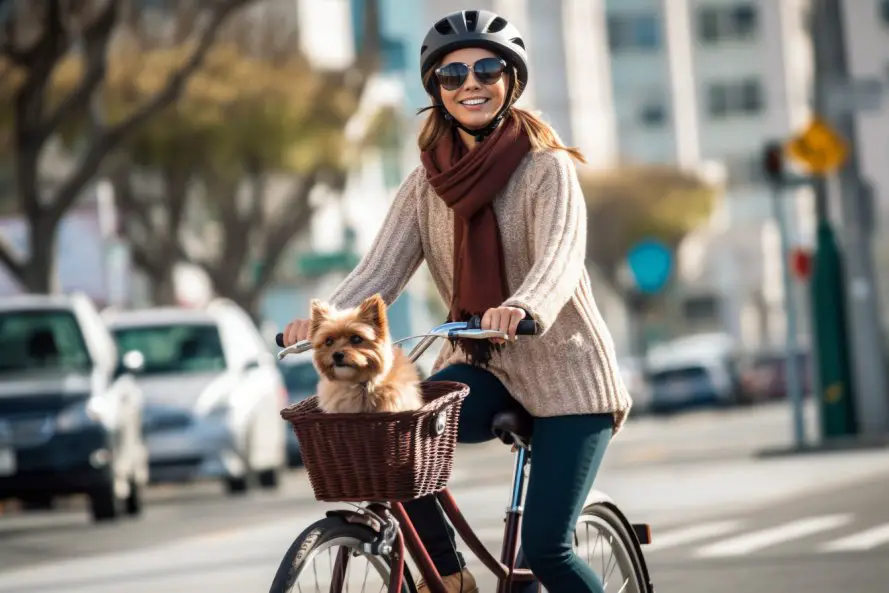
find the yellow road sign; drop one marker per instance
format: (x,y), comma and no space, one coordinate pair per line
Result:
(819,148)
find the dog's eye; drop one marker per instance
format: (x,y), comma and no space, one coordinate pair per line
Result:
(356,339)
(328,342)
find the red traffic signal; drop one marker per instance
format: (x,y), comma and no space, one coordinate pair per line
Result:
(773,161)
(801,263)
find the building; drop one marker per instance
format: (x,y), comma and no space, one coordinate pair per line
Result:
(866,30)
(699,81)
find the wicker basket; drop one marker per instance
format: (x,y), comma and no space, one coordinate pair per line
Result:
(380,456)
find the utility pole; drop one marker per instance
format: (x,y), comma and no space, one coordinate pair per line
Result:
(773,164)
(868,363)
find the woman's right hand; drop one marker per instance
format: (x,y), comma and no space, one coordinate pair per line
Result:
(296,331)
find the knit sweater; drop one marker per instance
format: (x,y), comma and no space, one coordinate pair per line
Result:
(570,367)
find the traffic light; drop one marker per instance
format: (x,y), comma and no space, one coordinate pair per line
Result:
(773,161)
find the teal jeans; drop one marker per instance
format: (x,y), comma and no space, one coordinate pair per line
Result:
(567,452)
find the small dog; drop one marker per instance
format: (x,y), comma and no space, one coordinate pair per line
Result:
(360,369)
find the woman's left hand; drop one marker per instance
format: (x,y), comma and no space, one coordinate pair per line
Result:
(504,319)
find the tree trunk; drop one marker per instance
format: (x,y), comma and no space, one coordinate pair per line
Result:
(163,292)
(39,273)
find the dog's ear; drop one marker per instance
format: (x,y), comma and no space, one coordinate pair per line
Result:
(373,312)
(320,314)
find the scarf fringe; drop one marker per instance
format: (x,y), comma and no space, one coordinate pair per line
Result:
(478,353)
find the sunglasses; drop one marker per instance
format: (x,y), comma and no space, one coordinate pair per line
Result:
(487,71)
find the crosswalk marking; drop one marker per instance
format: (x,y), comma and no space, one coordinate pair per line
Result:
(728,537)
(751,542)
(857,542)
(695,533)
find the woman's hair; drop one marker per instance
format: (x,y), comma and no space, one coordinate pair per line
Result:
(541,134)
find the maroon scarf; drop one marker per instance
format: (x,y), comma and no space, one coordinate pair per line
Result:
(468,181)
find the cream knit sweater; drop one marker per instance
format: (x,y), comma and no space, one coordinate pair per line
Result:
(570,368)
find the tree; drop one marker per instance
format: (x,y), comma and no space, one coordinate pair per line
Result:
(246,118)
(41,42)
(634,202)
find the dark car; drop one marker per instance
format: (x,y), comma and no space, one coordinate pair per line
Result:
(766,376)
(301,381)
(70,410)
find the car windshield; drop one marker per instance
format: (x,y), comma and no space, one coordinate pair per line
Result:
(42,340)
(300,378)
(184,348)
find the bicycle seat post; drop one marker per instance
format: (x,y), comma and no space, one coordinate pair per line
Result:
(514,513)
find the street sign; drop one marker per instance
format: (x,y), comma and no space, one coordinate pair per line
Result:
(650,263)
(819,148)
(854,96)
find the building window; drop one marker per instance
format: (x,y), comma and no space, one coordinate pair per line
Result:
(727,23)
(726,99)
(629,32)
(717,100)
(653,114)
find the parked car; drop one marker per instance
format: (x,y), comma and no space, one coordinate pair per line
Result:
(301,381)
(694,371)
(213,394)
(765,378)
(70,409)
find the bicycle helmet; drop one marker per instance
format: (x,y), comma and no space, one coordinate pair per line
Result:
(474,28)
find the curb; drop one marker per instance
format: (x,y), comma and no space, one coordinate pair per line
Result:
(834,445)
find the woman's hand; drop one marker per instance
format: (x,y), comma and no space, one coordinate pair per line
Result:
(296,331)
(504,319)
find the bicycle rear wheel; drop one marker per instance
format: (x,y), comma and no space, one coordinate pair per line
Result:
(311,562)
(603,540)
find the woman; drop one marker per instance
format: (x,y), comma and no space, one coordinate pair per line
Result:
(496,211)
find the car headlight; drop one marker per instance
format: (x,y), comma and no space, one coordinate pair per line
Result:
(82,415)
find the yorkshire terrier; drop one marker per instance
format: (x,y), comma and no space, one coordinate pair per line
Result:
(360,369)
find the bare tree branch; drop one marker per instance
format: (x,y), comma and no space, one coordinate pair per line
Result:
(8,258)
(95,40)
(104,141)
(297,215)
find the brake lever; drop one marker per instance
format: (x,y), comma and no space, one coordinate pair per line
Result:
(298,348)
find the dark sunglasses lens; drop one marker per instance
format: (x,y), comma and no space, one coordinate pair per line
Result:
(452,76)
(488,70)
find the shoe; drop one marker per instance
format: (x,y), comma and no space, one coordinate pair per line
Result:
(452,583)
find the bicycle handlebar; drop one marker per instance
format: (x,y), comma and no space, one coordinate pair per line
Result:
(470,329)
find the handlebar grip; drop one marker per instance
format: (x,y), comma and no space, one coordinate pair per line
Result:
(527,327)
(279,340)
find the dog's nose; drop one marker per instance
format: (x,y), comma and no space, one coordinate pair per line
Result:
(338,357)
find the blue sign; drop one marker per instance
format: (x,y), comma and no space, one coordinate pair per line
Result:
(651,263)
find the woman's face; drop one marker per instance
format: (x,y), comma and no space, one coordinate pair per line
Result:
(478,98)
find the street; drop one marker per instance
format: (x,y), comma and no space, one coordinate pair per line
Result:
(723,519)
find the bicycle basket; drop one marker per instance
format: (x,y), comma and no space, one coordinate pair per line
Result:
(380,456)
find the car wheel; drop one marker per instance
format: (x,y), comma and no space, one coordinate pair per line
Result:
(104,503)
(134,500)
(236,485)
(268,479)
(40,503)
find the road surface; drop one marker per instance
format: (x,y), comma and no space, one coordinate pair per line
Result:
(724,520)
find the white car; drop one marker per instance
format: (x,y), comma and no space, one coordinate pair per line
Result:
(213,394)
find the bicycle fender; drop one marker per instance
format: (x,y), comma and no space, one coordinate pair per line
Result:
(357,518)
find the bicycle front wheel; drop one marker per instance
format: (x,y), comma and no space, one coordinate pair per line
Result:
(328,556)
(604,542)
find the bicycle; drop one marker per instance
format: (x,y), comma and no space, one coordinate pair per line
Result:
(381,530)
